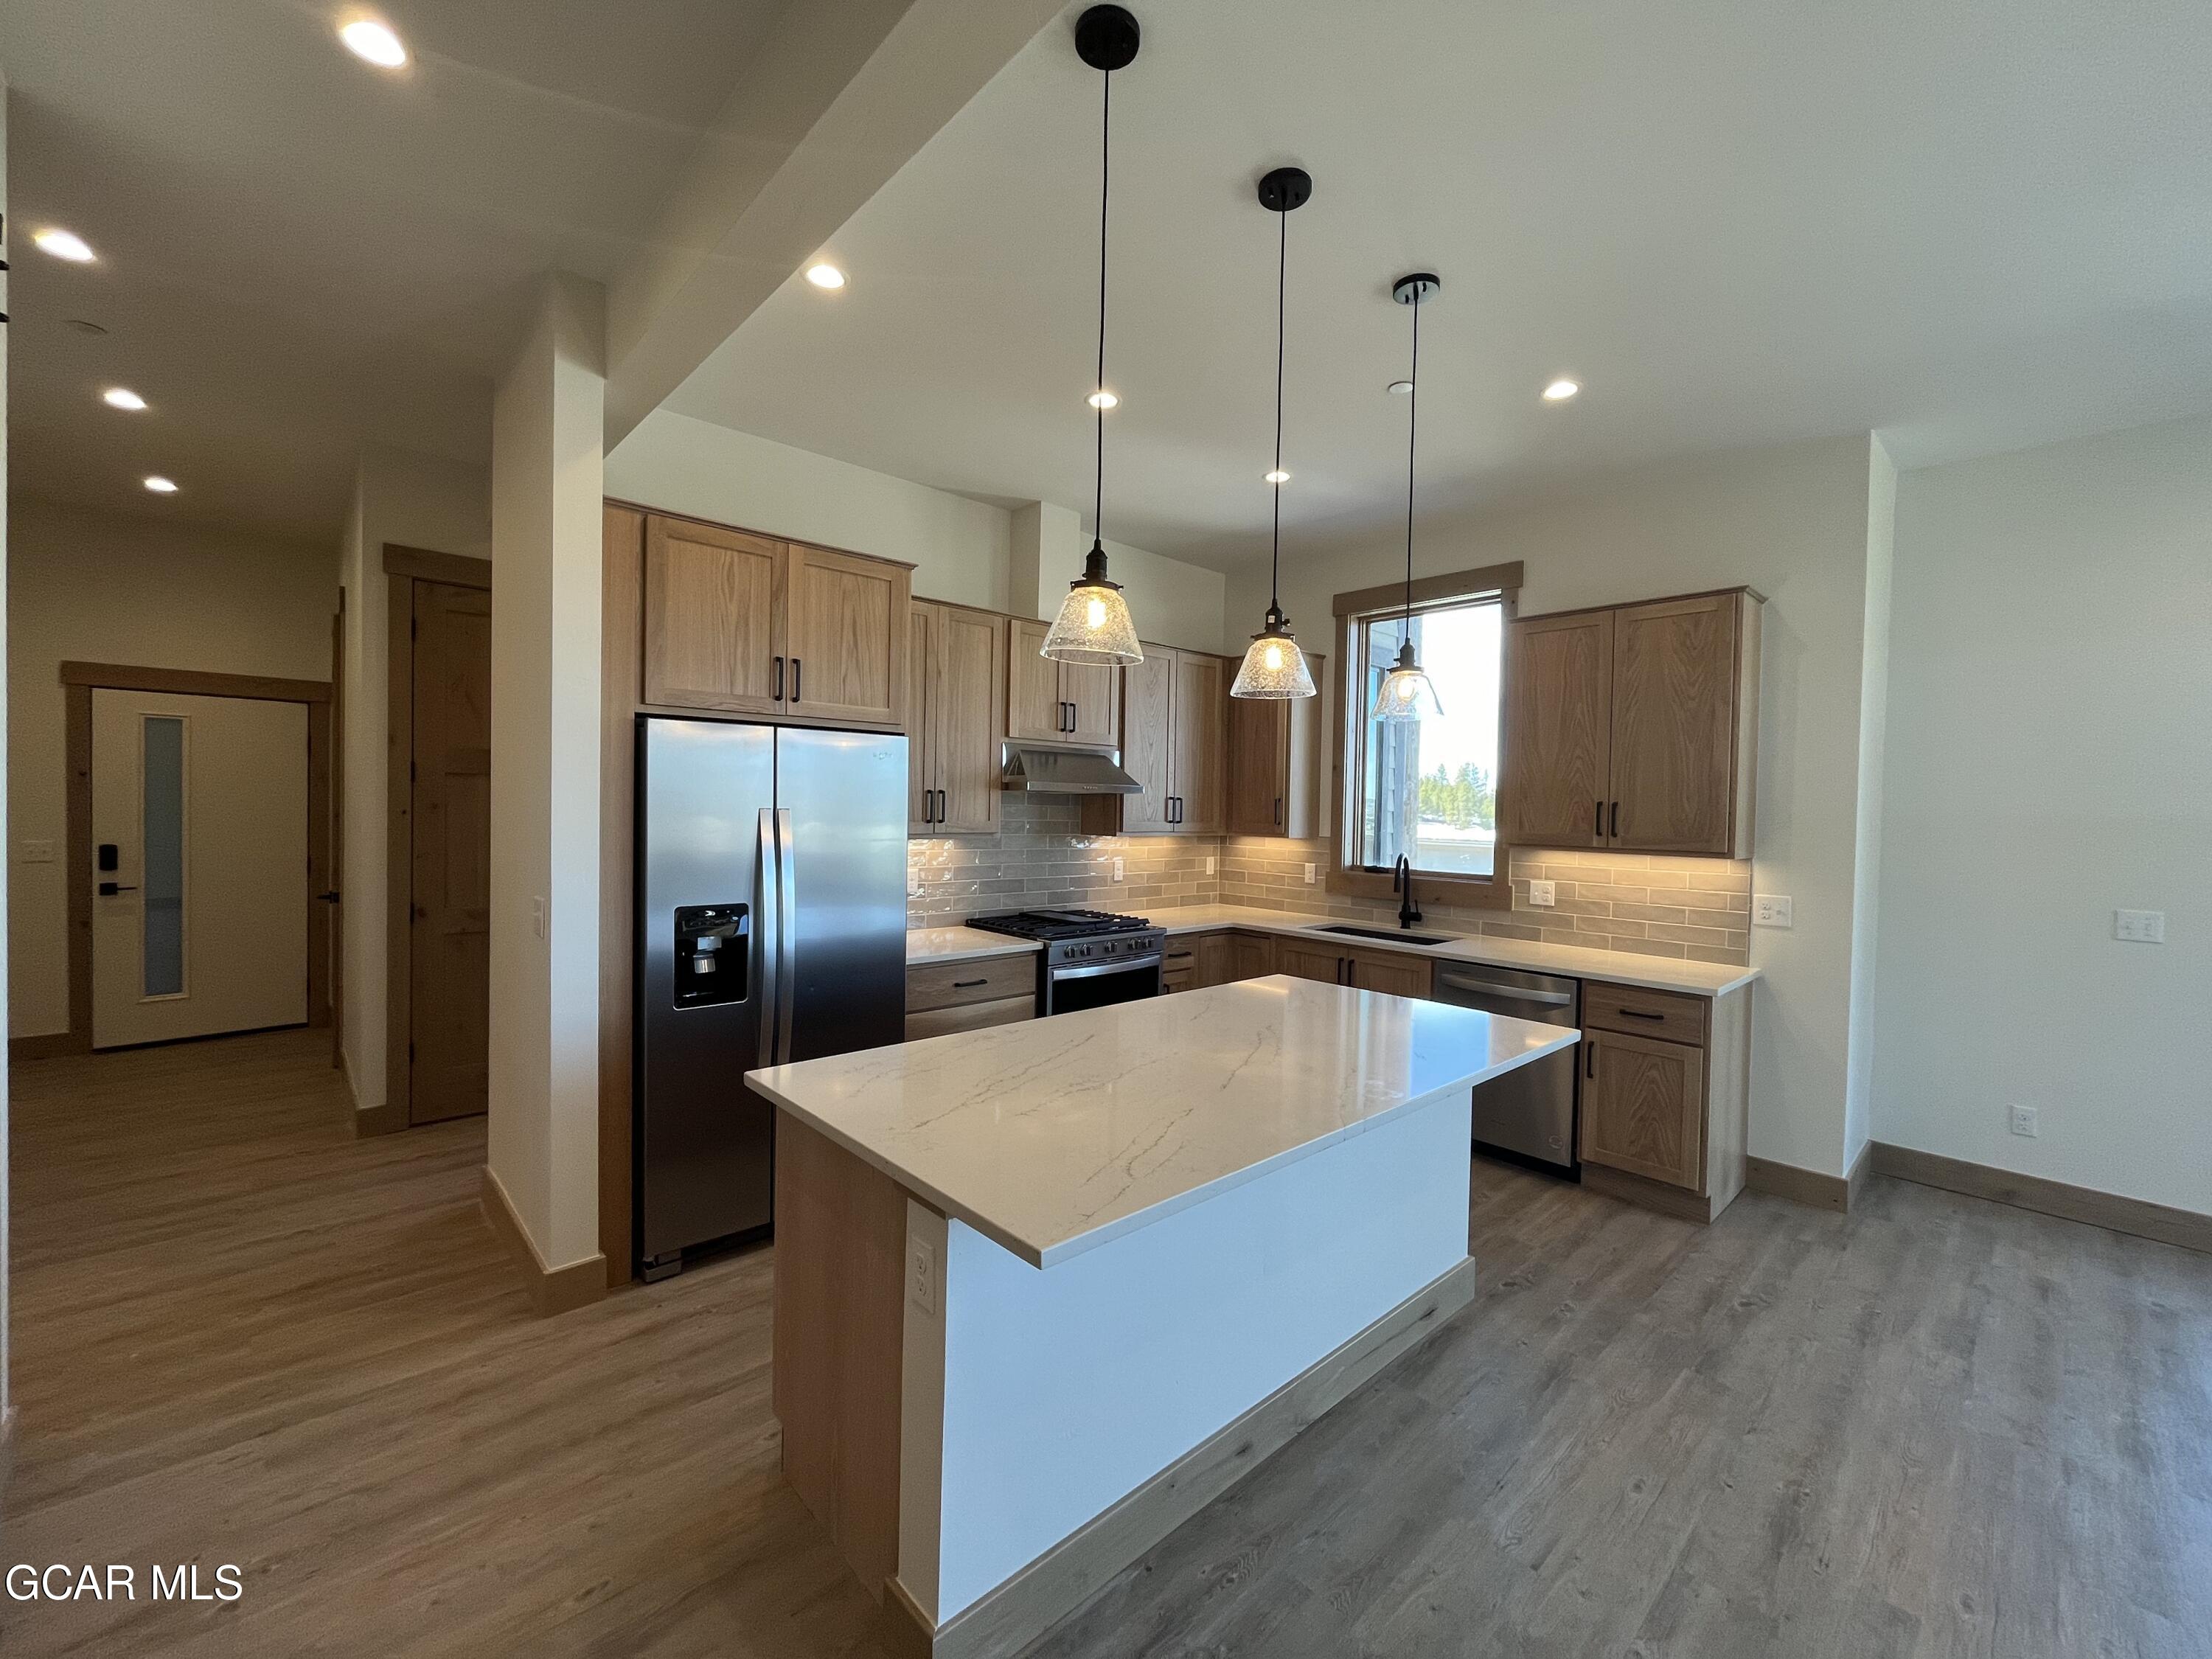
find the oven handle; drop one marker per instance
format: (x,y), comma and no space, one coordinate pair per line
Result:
(1093,972)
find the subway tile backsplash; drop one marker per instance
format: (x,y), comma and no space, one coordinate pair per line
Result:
(1698,910)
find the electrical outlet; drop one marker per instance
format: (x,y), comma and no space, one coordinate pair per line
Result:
(538,916)
(2023,1121)
(1770,911)
(36,852)
(2140,926)
(1543,894)
(1209,866)
(1310,874)
(921,1275)
(1117,869)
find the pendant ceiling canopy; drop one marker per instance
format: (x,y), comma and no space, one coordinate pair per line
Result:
(1094,625)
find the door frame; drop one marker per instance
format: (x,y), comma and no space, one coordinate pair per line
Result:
(79,681)
(403,567)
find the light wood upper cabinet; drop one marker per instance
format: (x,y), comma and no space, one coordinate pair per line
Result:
(1201,726)
(1175,726)
(1148,746)
(1635,728)
(714,617)
(747,624)
(956,714)
(1559,731)
(845,632)
(1275,762)
(1644,1107)
(1049,702)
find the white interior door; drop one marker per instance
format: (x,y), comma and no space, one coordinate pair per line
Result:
(199,830)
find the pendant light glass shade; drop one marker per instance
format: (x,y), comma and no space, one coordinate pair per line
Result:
(1273,667)
(1407,693)
(1093,626)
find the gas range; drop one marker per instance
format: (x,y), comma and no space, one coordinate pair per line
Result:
(1090,957)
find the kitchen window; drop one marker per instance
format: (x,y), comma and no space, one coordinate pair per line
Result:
(1425,790)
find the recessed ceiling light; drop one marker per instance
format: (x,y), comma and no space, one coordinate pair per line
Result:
(1101,398)
(1399,388)
(63,245)
(825,276)
(161,486)
(1560,389)
(1278,476)
(374,42)
(122,397)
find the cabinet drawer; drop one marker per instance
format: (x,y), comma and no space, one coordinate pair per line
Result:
(970,1017)
(956,984)
(1642,1012)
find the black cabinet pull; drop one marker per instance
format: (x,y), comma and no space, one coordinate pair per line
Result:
(779,680)
(943,809)
(1278,809)
(1589,1060)
(1597,820)
(1613,833)
(795,693)
(1637,1013)
(968,984)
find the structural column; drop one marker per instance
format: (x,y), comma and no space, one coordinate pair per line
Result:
(541,1176)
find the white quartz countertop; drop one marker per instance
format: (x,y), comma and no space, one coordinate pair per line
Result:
(925,945)
(1621,967)
(1054,1136)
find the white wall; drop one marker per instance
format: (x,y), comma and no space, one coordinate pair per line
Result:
(2050,759)
(410,500)
(1874,729)
(547,482)
(1792,521)
(963,551)
(92,587)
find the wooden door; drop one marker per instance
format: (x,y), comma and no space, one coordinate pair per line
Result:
(714,617)
(1304,961)
(845,633)
(1387,970)
(1559,722)
(1201,728)
(968,713)
(1035,711)
(1259,765)
(1094,703)
(450,932)
(1149,750)
(1251,955)
(1673,725)
(199,908)
(1642,1107)
(925,623)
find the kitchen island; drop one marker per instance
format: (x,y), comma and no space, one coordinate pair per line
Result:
(1044,1290)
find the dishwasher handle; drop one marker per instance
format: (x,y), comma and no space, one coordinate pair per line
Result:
(1507,993)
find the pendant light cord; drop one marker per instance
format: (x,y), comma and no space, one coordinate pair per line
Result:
(1275,560)
(1412,430)
(1105,177)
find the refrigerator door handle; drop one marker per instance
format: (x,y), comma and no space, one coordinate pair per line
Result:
(768,908)
(786,919)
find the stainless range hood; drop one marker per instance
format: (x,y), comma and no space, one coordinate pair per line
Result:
(1065,772)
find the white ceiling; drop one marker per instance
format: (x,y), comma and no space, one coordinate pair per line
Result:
(1971,225)
(298,252)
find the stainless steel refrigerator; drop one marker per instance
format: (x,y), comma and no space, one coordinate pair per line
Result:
(771,921)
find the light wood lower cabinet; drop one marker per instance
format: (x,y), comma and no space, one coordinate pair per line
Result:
(1251,955)
(1398,973)
(1643,1107)
(1665,1095)
(944,997)
(955,712)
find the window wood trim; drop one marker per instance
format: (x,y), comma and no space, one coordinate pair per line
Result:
(1499,581)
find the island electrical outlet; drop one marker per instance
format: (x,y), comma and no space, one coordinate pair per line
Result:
(921,1275)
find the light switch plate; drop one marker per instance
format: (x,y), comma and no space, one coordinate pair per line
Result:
(1117,869)
(36,852)
(2140,926)
(1310,874)
(1770,911)
(1543,894)
(1209,866)
(921,1275)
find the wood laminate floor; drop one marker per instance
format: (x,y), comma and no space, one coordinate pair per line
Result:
(1936,1426)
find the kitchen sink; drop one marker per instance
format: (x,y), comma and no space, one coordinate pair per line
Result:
(1391,935)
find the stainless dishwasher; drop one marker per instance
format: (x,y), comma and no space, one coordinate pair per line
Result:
(1530,1112)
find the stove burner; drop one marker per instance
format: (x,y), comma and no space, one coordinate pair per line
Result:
(1057,924)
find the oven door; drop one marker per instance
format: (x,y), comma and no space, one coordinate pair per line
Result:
(1095,984)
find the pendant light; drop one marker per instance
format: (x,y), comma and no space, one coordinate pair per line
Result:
(1094,625)
(1406,692)
(1274,668)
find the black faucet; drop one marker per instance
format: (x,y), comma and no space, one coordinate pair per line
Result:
(1401,881)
